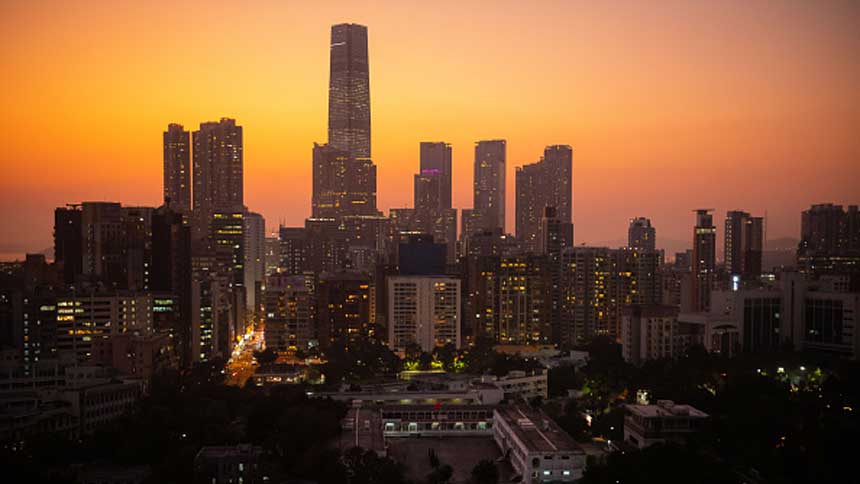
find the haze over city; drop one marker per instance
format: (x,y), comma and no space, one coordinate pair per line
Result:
(667,106)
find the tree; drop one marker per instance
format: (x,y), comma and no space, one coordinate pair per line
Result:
(485,472)
(266,356)
(440,475)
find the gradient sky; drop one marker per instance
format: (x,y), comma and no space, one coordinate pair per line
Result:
(669,106)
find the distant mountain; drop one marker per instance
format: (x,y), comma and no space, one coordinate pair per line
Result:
(669,246)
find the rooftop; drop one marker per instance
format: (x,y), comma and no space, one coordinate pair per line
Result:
(537,431)
(666,408)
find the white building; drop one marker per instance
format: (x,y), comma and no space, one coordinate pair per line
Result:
(538,449)
(519,384)
(423,310)
(646,425)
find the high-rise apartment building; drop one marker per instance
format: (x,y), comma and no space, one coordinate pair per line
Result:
(489,182)
(546,183)
(743,244)
(704,260)
(424,310)
(68,248)
(586,277)
(435,164)
(171,273)
(255,259)
(830,242)
(218,174)
(104,244)
(641,235)
(344,306)
(290,312)
(177,168)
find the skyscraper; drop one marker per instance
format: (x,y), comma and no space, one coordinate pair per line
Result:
(489,182)
(641,235)
(177,168)
(704,259)
(68,247)
(436,165)
(743,244)
(255,259)
(218,173)
(349,91)
(540,185)
(344,177)
(830,241)
(559,169)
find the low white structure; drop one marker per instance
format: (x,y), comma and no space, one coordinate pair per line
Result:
(646,425)
(520,384)
(538,449)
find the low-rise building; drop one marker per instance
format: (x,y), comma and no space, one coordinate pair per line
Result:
(519,384)
(538,449)
(646,425)
(238,464)
(436,419)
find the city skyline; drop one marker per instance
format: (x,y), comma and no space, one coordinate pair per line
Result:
(593,243)
(817,128)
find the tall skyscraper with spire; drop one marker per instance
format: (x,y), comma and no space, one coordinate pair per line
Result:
(344,177)
(177,168)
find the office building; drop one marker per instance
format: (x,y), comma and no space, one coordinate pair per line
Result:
(423,310)
(349,91)
(344,177)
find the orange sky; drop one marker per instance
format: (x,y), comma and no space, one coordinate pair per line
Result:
(669,106)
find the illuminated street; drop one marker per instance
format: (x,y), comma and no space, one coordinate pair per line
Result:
(242,365)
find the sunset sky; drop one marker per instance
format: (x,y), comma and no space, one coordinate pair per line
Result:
(669,106)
